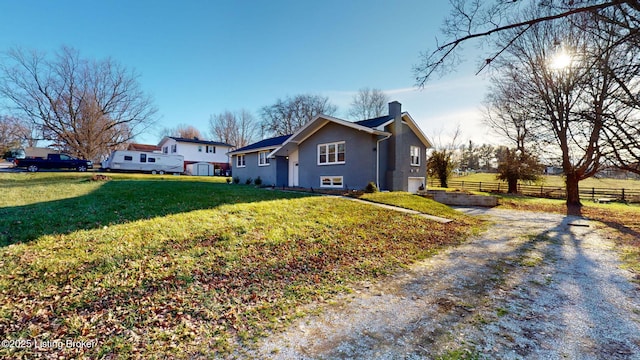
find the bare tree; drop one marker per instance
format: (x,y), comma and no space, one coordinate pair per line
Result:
(13,133)
(288,115)
(368,103)
(183,131)
(85,106)
(480,20)
(238,129)
(567,110)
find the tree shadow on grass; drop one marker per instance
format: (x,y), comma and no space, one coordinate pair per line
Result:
(121,201)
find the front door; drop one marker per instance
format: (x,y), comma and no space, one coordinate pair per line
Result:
(294,173)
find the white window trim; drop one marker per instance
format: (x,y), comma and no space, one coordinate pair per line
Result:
(266,159)
(411,155)
(244,160)
(327,153)
(332,185)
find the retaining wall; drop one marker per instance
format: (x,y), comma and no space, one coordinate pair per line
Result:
(462,199)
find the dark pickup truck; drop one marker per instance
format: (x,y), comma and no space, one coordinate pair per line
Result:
(54,161)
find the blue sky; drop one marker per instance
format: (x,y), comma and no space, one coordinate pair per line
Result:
(198,58)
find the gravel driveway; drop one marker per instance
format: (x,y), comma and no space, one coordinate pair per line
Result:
(534,286)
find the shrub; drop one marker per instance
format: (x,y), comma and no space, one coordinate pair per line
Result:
(248,181)
(236,180)
(371,187)
(258,181)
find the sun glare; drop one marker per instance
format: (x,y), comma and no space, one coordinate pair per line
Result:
(561,60)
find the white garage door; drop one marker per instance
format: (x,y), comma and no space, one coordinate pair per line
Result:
(415,183)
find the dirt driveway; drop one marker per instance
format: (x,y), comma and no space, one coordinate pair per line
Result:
(534,286)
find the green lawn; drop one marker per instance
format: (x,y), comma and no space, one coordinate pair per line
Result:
(417,203)
(182,267)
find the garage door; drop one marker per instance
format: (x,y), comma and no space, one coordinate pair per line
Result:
(204,170)
(415,183)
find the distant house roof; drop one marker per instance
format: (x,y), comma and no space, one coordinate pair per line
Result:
(194,141)
(143,147)
(375,122)
(262,144)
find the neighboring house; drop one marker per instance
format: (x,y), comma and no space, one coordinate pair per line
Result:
(333,153)
(198,151)
(143,147)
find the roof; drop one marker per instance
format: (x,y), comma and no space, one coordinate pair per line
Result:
(318,122)
(375,122)
(143,147)
(195,141)
(262,144)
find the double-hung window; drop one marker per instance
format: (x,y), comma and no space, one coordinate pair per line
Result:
(332,153)
(263,158)
(415,156)
(240,161)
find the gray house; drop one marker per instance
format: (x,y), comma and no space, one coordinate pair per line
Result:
(333,153)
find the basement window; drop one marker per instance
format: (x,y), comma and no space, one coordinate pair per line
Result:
(331,181)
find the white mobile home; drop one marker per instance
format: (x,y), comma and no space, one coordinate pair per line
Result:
(143,161)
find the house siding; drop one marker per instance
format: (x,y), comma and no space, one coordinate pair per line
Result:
(399,158)
(360,160)
(384,148)
(268,173)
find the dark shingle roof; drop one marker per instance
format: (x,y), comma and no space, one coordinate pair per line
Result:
(375,122)
(270,142)
(198,141)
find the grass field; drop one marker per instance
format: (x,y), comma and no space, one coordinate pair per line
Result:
(182,267)
(557,180)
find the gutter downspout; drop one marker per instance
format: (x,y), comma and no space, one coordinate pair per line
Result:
(378,159)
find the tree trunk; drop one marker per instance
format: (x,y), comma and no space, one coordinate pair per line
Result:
(513,186)
(573,192)
(443,182)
